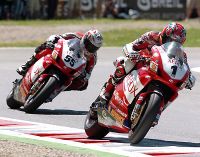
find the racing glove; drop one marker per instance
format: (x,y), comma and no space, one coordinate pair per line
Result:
(43,46)
(40,48)
(49,45)
(191,82)
(54,38)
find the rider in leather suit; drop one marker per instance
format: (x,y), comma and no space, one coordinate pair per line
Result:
(172,32)
(87,43)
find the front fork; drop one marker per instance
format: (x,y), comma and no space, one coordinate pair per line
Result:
(38,83)
(137,110)
(139,106)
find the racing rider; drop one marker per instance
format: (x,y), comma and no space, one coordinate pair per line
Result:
(172,32)
(86,44)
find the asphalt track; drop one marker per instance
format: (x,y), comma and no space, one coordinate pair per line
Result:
(179,124)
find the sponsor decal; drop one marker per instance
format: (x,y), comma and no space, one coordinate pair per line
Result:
(153,66)
(175,61)
(116,110)
(104,114)
(118,98)
(36,72)
(117,116)
(131,86)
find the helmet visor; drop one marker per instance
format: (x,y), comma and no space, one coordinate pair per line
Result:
(90,47)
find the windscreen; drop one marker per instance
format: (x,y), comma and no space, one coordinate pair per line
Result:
(174,50)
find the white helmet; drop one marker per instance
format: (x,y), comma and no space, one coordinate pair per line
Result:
(91,41)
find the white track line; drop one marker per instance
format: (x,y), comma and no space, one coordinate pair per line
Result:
(119,148)
(71,143)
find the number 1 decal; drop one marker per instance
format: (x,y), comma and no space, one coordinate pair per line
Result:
(174,70)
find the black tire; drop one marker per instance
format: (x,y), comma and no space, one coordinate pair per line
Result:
(34,101)
(11,102)
(92,128)
(145,123)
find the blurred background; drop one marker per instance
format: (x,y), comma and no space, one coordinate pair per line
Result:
(121,9)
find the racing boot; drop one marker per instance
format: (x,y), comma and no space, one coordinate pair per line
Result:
(107,90)
(103,99)
(24,68)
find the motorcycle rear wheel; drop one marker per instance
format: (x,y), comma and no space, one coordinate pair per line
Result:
(11,102)
(92,128)
(148,116)
(35,100)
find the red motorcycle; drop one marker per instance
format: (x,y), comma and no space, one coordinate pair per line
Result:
(142,94)
(45,79)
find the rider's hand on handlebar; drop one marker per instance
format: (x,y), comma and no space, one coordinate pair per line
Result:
(134,56)
(191,82)
(49,45)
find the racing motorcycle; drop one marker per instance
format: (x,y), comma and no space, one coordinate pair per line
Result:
(45,79)
(142,95)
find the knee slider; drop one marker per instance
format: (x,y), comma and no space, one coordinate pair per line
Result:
(120,72)
(120,67)
(120,61)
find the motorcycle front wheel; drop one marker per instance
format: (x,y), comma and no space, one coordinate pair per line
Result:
(40,96)
(92,128)
(152,105)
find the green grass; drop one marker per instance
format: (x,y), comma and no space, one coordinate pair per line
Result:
(72,22)
(30,43)
(116,38)
(121,37)
(59,146)
(193,38)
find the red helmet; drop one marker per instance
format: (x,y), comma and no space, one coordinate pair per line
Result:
(173,32)
(91,41)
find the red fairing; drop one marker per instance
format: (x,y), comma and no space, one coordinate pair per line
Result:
(162,75)
(120,129)
(144,75)
(59,48)
(43,53)
(61,65)
(49,59)
(27,81)
(119,102)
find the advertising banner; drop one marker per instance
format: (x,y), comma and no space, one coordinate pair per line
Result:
(159,9)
